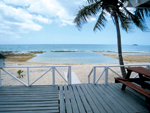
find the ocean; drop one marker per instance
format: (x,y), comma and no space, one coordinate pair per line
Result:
(73,48)
(75,53)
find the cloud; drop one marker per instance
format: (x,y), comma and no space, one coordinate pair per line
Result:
(42,19)
(23,16)
(20,2)
(14,21)
(53,9)
(50,9)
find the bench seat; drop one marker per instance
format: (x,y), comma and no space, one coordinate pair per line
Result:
(133,86)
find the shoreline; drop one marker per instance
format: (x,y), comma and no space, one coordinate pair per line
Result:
(25,56)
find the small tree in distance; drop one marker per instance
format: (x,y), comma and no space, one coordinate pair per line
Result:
(19,73)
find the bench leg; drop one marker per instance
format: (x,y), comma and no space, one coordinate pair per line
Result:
(123,87)
(147,100)
(127,77)
(116,81)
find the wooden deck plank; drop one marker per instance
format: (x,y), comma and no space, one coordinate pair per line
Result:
(101,99)
(78,100)
(134,100)
(67,100)
(62,104)
(28,109)
(95,99)
(86,98)
(90,100)
(125,103)
(106,96)
(126,95)
(73,101)
(83,99)
(29,99)
(115,101)
(43,111)
(24,103)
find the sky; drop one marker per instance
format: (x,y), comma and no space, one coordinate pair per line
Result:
(51,22)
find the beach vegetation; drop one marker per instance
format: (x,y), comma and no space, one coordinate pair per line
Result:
(20,74)
(119,14)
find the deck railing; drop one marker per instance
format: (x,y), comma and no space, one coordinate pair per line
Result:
(53,68)
(106,70)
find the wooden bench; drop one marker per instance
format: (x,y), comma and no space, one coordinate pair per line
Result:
(133,86)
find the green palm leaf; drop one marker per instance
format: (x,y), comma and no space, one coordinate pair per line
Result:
(86,13)
(101,21)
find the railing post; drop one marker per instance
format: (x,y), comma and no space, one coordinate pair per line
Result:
(69,70)
(94,74)
(28,76)
(106,75)
(0,78)
(148,67)
(88,79)
(53,73)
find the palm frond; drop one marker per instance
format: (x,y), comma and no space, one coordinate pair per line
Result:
(136,19)
(92,1)
(123,1)
(101,21)
(125,21)
(142,12)
(86,13)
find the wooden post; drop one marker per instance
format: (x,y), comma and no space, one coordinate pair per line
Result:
(0,78)
(94,74)
(53,73)
(90,75)
(106,75)
(28,76)
(69,70)
(88,79)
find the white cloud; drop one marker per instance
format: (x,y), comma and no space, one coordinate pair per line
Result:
(20,2)
(42,19)
(49,9)
(14,21)
(22,16)
(53,9)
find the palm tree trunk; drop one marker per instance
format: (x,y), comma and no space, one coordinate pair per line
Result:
(119,46)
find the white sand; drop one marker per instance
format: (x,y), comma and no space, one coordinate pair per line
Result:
(81,71)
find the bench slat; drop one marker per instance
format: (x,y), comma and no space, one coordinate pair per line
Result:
(133,86)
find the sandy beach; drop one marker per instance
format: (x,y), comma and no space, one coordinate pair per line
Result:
(81,70)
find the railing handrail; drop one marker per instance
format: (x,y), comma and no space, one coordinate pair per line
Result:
(33,66)
(106,68)
(53,68)
(122,65)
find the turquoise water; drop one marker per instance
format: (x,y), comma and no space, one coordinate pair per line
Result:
(75,53)
(72,58)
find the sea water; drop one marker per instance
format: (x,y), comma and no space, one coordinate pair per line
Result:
(74,47)
(75,53)
(72,58)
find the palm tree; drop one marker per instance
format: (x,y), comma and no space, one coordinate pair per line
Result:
(119,14)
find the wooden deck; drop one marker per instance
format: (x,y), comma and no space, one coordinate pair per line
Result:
(82,98)
(35,99)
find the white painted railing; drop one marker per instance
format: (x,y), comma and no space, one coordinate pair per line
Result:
(106,69)
(53,68)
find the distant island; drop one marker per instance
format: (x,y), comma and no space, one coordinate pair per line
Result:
(135,45)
